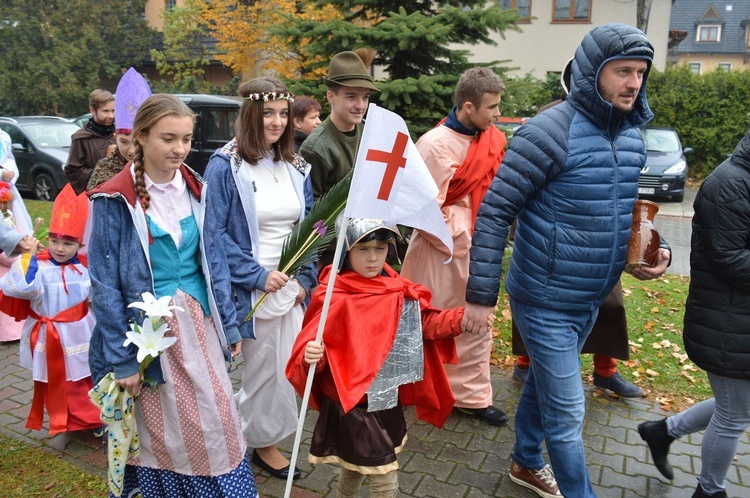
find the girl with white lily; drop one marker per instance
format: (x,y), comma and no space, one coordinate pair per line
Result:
(147,241)
(258,190)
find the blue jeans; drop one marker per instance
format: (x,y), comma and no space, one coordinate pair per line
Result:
(725,418)
(552,404)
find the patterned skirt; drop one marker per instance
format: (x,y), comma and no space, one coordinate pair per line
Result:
(190,435)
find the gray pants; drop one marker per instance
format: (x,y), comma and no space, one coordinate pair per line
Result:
(725,419)
(381,485)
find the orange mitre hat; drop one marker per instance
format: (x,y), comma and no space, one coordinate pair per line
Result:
(69,215)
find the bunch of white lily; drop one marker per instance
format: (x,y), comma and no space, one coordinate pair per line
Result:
(149,336)
(116,404)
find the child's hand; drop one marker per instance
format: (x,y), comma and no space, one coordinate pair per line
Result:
(301,295)
(7,175)
(276,280)
(29,244)
(313,352)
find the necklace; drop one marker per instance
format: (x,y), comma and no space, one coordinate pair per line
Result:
(273,172)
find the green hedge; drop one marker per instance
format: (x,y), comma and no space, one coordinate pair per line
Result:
(711,112)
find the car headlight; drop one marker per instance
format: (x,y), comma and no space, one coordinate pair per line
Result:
(676,169)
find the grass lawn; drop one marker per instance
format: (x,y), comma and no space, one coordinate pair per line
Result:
(658,362)
(27,471)
(39,209)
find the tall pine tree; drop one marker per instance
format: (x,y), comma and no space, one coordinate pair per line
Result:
(413,40)
(54,52)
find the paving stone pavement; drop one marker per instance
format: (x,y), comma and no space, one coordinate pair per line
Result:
(464,459)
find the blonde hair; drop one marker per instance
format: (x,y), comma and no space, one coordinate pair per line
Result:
(151,111)
(249,129)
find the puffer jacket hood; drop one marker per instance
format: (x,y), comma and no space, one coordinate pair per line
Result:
(599,46)
(741,154)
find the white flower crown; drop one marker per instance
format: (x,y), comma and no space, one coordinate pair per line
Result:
(266,96)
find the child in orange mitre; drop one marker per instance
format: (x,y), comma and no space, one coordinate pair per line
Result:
(384,348)
(55,338)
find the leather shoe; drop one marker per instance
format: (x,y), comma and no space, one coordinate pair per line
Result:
(658,439)
(699,493)
(489,415)
(520,374)
(618,385)
(279,473)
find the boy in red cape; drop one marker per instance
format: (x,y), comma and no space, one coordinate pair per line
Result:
(385,346)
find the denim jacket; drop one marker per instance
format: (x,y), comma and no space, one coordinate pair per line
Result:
(231,235)
(120,270)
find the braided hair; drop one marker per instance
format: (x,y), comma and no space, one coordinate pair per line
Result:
(151,111)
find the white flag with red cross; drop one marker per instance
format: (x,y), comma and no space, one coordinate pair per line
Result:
(391,181)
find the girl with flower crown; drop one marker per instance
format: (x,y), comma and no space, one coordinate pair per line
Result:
(147,236)
(258,190)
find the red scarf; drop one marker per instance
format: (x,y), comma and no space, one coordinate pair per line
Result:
(475,174)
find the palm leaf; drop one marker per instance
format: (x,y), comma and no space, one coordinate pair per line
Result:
(313,235)
(304,244)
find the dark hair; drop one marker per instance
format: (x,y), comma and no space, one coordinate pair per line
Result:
(250,135)
(151,111)
(382,234)
(303,105)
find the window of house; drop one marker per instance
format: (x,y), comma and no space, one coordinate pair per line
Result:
(695,67)
(523,6)
(724,66)
(572,10)
(170,4)
(708,33)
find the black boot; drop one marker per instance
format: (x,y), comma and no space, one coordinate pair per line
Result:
(699,493)
(658,439)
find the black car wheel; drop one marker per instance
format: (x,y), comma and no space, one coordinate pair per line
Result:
(679,197)
(44,187)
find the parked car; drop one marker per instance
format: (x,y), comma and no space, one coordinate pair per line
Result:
(665,171)
(40,145)
(509,125)
(215,116)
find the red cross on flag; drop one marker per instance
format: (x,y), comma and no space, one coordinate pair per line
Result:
(391,181)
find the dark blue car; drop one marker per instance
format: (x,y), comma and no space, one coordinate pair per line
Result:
(665,171)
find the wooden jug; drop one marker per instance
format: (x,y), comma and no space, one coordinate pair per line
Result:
(644,239)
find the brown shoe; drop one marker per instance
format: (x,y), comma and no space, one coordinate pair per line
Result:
(541,482)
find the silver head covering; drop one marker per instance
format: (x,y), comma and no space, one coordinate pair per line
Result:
(358,228)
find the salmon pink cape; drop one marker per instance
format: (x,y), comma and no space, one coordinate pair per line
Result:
(478,169)
(361,327)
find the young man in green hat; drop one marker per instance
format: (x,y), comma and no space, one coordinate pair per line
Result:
(332,146)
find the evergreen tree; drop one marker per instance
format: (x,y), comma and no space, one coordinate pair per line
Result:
(55,52)
(413,41)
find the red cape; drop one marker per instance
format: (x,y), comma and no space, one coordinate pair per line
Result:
(360,329)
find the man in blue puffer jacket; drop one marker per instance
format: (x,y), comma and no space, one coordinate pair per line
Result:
(571,177)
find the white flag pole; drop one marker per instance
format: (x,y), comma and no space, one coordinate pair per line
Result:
(318,339)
